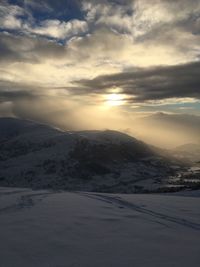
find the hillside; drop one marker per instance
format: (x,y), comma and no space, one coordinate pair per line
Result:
(38,156)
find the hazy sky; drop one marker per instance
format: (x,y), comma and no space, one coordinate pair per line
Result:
(82,64)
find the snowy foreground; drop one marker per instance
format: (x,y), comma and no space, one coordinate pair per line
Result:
(48,229)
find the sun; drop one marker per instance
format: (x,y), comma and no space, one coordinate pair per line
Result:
(114,99)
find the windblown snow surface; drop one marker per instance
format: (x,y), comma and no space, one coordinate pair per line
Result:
(80,229)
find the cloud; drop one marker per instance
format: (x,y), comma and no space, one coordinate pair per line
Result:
(69,113)
(37,103)
(27,49)
(109,14)
(140,85)
(59,29)
(10,16)
(140,17)
(14,17)
(152,14)
(58,60)
(12,91)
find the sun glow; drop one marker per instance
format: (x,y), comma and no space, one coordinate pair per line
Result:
(114,99)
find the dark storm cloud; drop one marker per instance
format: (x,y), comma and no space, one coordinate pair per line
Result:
(150,84)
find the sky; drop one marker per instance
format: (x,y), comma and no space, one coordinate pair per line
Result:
(129,65)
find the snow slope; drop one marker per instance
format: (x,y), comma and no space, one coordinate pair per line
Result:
(79,229)
(38,156)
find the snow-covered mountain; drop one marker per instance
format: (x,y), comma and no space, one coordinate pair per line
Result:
(190,152)
(39,156)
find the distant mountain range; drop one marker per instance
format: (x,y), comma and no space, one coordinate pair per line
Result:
(189,152)
(168,130)
(38,156)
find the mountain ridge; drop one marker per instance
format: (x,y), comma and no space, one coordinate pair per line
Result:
(44,157)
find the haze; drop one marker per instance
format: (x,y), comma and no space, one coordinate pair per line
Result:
(129,65)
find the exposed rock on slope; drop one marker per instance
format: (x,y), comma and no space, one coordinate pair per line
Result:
(38,156)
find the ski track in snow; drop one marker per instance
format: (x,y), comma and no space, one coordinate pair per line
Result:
(24,201)
(125,204)
(27,200)
(89,229)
